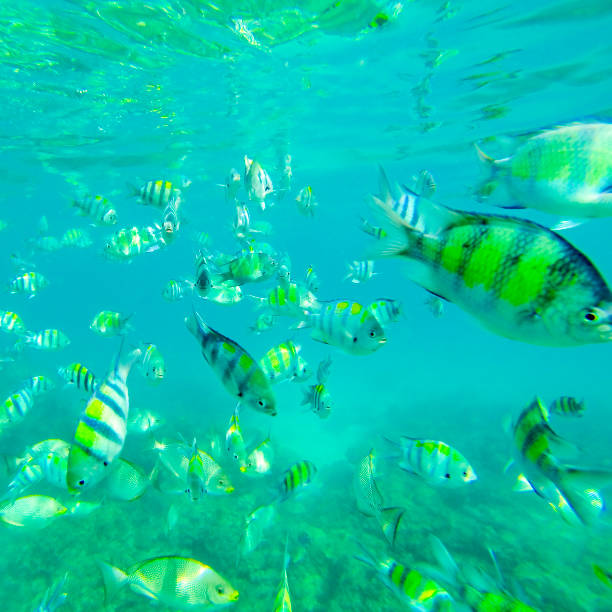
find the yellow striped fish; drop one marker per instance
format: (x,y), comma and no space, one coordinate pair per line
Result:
(234,442)
(156,193)
(567,406)
(298,476)
(518,278)
(100,433)
(282,601)
(238,371)
(283,362)
(78,375)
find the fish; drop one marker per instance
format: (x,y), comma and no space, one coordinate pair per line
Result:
(263,322)
(224,294)
(436,462)
(296,478)
(360,271)
(256,181)
(170,219)
(257,523)
(317,396)
(370,500)
(15,407)
(78,375)
(566,406)
(249,267)
(238,371)
(31,511)
(205,476)
(203,275)
(144,422)
(232,185)
(175,290)
(152,364)
(48,244)
(100,434)
(46,340)
(259,460)
(410,586)
(39,385)
(534,441)
(282,601)
(306,202)
(54,597)
(127,481)
(346,325)
(28,283)
(234,442)
(372,230)
(284,362)
(127,243)
(288,299)
(11,323)
(98,208)
(435,305)
(76,237)
(109,323)
(177,582)
(519,279)
(566,170)
(385,310)
(311,280)
(156,193)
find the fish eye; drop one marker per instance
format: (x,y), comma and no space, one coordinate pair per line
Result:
(465,474)
(220,589)
(372,333)
(261,403)
(220,482)
(447,475)
(591,316)
(81,482)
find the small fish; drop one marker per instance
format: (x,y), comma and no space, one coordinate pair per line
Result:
(290,300)
(252,266)
(109,323)
(232,185)
(224,294)
(519,279)
(566,406)
(312,280)
(54,597)
(76,237)
(127,481)
(263,322)
(28,283)
(259,460)
(360,271)
(256,181)
(152,364)
(205,475)
(257,523)
(283,362)
(435,305)
(100,433)
(46,340)
(234,442)
(239,372)
(410,586)
(78,375)
(39,385)
(436,462)
(296,478)
(98,208)
(170,219)
(48,244)
(241,223)
(175,290)
(282,601)
(144,422)
(317,396)
(306,202)
(11,323)
(157,193)
(127,243)
(203,275)
(385,310)
(566,171)
(31,511)
(347,325)
(15,407)
(176,582)
(372,230)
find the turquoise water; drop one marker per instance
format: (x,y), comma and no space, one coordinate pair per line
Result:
(101,95)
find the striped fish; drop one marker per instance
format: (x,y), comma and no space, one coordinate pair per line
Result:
(283,362)
(282,601)
(259,460)
(175,290)
(534,440)
(385,310)
(110,323)
(263,322)
(256,181)
(206,476)
(372,230)
(298,476)
(76,237)
(29,283)
(100,433)
(77,374)
(410,586)
(170,218)
(347,325)
(566,406)
(15,407)
(360,271)
(288,299)
(98,208)
(317,396)
(252,266)
(238,371)
(518,278)
(152,365)
(234,442)
(11,322)
(306,201)
(435,461)
(157,193)
(47,340)
(129,242)
(311,280)
(39,385)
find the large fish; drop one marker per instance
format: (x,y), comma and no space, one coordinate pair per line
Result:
(518,278)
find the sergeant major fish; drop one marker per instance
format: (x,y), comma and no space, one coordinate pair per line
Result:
(256,181)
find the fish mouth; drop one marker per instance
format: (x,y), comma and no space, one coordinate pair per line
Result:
(229,489)
(234,596)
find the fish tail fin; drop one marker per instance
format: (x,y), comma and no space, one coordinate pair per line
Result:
(55,595)
(580,488)
(489,184)
(446,563)
(307,395)
(195,324)
(134,191)
(114,580)
(124,361)
(389,520)
(366,557)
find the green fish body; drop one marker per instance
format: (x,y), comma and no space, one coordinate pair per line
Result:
(519,279)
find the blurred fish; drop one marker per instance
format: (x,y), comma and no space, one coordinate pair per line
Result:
(232,185)
(46,340)
(176,582)
(372,230)
(436,462)
(252,266)
(15,407)
(435,305)
(385,310)
(98,208)
(175,290)
(306,202)
(39,385)
(284,362)
(234,442)
(256,181)
(144,421)
(263,322)
(566,171)
(519,279)
(360,271)
(28,283)
(288,299)
(224,294)
(203,275)
(566,406)
(11,323)
(412,588)
(152,364)
(282,601)
(259,460)
(296,478)
(127,243)
(31,511)
(347,325)
(49,244)
(317,396)
(76,237)
(257,523)
(127,481)
(171,519)
(78,375)
(239,372)
(100,433)
(312,280)
(110,323)
(54,597)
